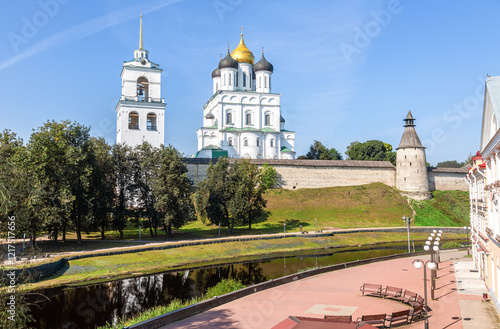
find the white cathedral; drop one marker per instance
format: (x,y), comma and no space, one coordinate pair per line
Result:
(243,118)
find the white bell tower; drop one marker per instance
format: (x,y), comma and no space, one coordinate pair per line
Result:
(140,113)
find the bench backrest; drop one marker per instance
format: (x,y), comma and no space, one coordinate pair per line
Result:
(393,289)
(339,318)
(400,313)
(373,317)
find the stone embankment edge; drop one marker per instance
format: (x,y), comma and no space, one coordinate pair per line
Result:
(46,270)
(203,306)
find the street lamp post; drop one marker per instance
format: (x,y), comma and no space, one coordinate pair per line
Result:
(467,228)
(417,263)
(407,220)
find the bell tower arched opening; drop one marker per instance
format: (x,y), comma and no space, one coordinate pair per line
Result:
(142,89)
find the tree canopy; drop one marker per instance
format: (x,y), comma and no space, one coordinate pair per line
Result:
(231,195)
(373,150)
(318,151)
(449,164)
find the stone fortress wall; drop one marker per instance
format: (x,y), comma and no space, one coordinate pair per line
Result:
(295,174)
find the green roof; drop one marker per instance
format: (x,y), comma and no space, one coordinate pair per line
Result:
(211,147)
(287,131)
(286,149)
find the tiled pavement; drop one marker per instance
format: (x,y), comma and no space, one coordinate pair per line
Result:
(458,297)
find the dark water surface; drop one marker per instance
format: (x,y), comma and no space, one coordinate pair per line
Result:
(94,305)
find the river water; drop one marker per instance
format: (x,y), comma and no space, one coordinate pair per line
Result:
(93,305)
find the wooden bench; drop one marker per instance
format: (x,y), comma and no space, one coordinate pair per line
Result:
(392,292)
(417,313)
(419,301)
(374,319)
(372,289)
(401,317)
(408,297)
(339,318)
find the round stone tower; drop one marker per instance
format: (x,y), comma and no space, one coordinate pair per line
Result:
(411,164)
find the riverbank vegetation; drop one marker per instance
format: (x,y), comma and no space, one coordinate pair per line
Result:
(105,268)
(223,287)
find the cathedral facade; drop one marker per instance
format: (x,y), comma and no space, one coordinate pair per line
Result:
(242,119)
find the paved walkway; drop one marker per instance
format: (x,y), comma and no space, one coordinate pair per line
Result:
(458,297)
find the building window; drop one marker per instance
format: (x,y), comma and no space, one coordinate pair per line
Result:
(224,83)
(269,82)
(265,82)
(405,179)
(230,142)
(236,82)
(271,143)
(142,89)
(244,79)
(151,121)
(230,79)
(267,120)
(133,120)
(258,142)
(229,118)
(245,142)
(249,118)
(260,82)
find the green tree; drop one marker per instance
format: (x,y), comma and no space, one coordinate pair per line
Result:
(231,195)
(143,171)
(102,184)
(57,154)
(318,151)
(122,175)
(247,201)
(269,176)
(373,150)
(213,194)
(171,190)
(449,164)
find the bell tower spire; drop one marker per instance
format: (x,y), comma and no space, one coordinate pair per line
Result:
(140,36)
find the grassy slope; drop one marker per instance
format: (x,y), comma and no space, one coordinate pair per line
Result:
(446,208)
(372,205)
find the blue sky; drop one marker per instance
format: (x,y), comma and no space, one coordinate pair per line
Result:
(347,70)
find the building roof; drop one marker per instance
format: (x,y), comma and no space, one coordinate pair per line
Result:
(216,73)
(242,54)
(263,65)
(228,61)
(410,137)
(286,149)
(463,170)
(233,129)
(320,163)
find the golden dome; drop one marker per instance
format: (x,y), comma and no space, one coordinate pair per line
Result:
(242,54)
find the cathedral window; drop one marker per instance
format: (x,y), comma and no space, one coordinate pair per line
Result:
(224,79)
(265,82)
(236,84)
(230,82)
(260,82)
(267,120)
(142,89)
(133,120)
(269,82)
(258,142)
(230,142)
(151,121)
(245,142)
(244,79)
(271,143)
(229,118)
(249,118)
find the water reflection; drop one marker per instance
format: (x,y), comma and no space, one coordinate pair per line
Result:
(89,306)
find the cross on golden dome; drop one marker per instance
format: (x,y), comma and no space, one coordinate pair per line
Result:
(242,54)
